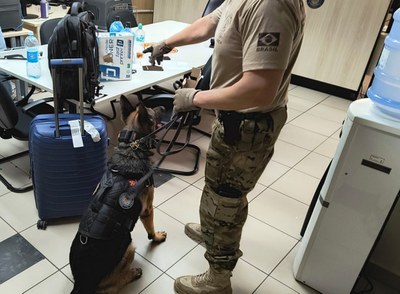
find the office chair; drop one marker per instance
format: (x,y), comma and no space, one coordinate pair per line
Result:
(124,16)
(211,6)
(47,28)
(15,119)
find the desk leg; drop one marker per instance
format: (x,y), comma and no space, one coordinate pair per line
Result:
(13,42)
(21,88)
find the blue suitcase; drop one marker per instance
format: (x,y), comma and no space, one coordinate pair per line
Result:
(63,176)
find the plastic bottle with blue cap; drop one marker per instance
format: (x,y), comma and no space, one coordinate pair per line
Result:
(116,26)
(32,56)
(139,41)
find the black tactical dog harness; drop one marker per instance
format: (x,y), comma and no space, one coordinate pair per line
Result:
(115,208)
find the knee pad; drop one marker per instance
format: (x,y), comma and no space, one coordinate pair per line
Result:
(226,190)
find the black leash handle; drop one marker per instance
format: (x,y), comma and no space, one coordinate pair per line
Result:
(186,118)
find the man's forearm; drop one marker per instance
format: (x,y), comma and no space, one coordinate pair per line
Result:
(254,89)
(199,31)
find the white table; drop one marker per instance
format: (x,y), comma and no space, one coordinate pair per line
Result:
(17,39)
(181,63)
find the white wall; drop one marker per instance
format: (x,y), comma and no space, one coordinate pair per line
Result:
(179,10)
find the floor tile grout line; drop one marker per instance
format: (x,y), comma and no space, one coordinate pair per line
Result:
(290,197)
(41,281)
(16,232)
(287,254)
(45,258)
(271,226)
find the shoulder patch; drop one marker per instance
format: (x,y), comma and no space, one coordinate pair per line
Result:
(268,41)
(125,201)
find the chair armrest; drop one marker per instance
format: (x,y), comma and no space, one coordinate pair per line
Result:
(31,105)
(49,99)
(163,89)
(24,101)
(160,96)
(164,99)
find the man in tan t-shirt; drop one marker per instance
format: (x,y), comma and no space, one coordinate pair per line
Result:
(256,46)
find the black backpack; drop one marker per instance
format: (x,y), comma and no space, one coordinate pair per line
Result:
(75,37)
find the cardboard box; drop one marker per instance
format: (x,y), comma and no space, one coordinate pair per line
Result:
(115,56)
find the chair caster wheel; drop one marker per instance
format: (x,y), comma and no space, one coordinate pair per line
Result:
(41,224)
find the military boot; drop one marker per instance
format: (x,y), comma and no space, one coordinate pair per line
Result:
(193,231)
(211,282)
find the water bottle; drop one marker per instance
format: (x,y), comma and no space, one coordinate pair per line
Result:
(32,56)
(139,41)
(116,26)
(44,9)
(385,87)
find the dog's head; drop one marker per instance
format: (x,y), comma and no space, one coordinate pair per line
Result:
(140,119)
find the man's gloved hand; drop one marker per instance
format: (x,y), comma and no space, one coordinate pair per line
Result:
(157,52)
(183,100)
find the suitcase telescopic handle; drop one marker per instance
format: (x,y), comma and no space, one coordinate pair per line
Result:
(78,62)
(66,61)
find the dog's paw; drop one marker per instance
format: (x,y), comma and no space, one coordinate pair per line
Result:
(159,236)
(136,273)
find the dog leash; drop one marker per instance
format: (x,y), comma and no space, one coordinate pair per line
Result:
(182,119)
(178,121)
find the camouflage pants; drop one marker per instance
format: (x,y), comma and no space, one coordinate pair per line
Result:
(231,173)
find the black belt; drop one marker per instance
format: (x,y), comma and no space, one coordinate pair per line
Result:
(232,120)
(234,115)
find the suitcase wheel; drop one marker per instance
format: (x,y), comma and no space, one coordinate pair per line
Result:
(41,224)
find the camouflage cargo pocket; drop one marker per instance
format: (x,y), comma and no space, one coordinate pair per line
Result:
(255,135)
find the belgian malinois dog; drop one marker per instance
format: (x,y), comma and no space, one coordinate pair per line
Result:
(102,253)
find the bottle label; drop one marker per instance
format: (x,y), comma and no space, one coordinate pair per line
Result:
(32,55)
(140,38)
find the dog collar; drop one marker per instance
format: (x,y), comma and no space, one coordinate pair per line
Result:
(126,136)
(134,140)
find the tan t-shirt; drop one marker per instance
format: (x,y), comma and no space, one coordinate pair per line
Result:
(256,35)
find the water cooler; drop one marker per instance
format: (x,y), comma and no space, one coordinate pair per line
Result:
(362,185)
(361,189)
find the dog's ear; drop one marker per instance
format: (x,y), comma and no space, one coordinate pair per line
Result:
(126,108)
(143,115)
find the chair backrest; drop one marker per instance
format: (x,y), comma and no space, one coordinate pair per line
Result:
(47,28)
(211,6)
(8,110)
(204,83)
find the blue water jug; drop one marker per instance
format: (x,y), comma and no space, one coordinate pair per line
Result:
(385,88)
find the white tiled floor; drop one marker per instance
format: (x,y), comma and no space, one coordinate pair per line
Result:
(277,209)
